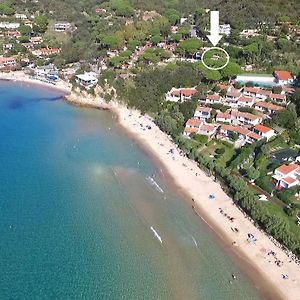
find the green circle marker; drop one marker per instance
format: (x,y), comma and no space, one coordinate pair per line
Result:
(218,68)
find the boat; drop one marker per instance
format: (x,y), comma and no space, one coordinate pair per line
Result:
(156,234)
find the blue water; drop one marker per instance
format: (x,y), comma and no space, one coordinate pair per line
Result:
(76,210)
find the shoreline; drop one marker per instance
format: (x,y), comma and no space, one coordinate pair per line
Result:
(21,77)
(252,259)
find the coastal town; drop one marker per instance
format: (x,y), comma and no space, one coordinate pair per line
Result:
(239,124)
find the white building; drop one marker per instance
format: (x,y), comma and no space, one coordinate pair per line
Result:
(284,77)
(202,113)
(62,26)
(180,95)
(264,131)
(7,25)
(7,61)
(88,79)
(225,29)
(287,176)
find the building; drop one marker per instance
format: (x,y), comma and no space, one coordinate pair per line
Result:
(181,94)
(7,62)
(244,118)
(223,117)
(36,40)
(208,130)
(232,97)
(264,131)
(62,26)
(7,25)
(13,34)
(225,29)
(87,80)
(46,51)
(287,176)
(20,16)
(202,113)
(245,101)
(192,126)
(284,77)
(278,98)
(212,99)
(268,108)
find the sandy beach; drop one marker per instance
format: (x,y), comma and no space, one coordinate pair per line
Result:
(216,212)
(258,259)
(20,76)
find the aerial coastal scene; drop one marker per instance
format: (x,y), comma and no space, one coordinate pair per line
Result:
(150,149)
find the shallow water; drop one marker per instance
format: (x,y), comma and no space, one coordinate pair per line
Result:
(76,211)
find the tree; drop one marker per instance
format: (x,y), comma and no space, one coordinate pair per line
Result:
(189,47)
(287,118)
(232,69)
(112,42)
(253,173)
(133,44)
(25,30)
(122,8)
(156,39)
(6,9)
(40,24)
(201,138)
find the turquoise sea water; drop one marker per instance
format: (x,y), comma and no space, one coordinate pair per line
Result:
(76,211)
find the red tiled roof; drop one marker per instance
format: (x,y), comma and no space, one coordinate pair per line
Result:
(262,128)
(6,59)
(283,75)
(206,127)
(269,106)
(244,115)
(254,136)
(235,94)
(289,180)
(251,89)
(265,92)
(203,109)
(246,99)
(238,129)
(278,96)
(286,169)
(184,92)
(194,122)
(213,97)
(191,130)
(224,115)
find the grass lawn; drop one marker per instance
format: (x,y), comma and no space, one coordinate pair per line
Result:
(213,145)
(277,211)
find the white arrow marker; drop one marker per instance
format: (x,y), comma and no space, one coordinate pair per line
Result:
(214,36)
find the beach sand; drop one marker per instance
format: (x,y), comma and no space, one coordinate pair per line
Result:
(253,258)
(256,262)
(20,76)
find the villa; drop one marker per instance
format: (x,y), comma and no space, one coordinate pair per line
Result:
(211,99)
(268,108)
(278,98)
(245,101)
(181,94)
(202,113)
(225,29)
(192,126)
(284,77)
(7,62)
(238,118)
(287,176)
(62,26)
(264,131)
(46,52)
(223,117)
(87,80)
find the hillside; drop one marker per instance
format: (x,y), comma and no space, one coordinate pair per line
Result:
(232,11)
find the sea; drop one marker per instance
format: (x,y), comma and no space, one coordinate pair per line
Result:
(86,214)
